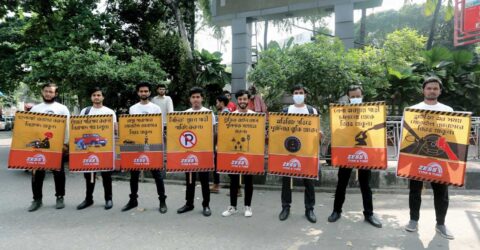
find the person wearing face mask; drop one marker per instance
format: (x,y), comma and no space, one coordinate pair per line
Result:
(355,95)
(299,107)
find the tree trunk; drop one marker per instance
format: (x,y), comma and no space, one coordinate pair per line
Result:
(363,26)
(265,35)
(432,27)
(181,27)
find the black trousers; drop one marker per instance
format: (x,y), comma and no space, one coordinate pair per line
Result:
(287,193)
(190,192)
(216,178)
(90,184)
(440,200)
(157,175)
(364,179)
(235,185)
(37,182)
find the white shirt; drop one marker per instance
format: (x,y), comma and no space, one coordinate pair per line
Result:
(140,109)
(436,107)
(56,109)
(203,109)
(248,112)
(100,111)
(303,110)
(165,103)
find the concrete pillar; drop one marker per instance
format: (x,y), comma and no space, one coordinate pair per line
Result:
(344,25)
(241,52)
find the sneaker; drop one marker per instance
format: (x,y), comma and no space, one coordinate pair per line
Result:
(248,211)
(442,229)
(36,204)
(60,204)
(412,226)
(215,188)
(231,210)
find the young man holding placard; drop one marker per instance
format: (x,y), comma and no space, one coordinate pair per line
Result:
(145,107)
(243,97)
(97,108)
(196,95)
(355,96)
(432,89)
(299,107)
(50,106)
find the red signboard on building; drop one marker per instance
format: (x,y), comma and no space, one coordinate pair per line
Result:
(467,22)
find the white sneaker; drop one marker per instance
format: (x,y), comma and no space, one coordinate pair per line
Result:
(231,210)
(248,211)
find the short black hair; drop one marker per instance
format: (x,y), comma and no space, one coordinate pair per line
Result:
(223,99)
(299,87)
(226,92)
(353,88)
(95,89)
(196,90)
(432,79)
(241,93)
(143,84)
(161,85)
(50,84)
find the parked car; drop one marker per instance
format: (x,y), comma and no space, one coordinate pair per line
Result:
(6,123)
(90,140)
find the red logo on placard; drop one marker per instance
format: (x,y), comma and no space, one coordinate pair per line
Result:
(92,160)
(293,164)
(240,162)
(190,160)
(38,159)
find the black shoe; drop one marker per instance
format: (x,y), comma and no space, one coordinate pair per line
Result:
(310,215)
(374,221)
(206,211)
(36,204)
(284,214)
(184,209)
(108,204)
(132,203)
(334,216)
(163,207)
(59,203)
(85,204)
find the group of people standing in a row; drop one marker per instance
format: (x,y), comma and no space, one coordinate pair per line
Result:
(432,88)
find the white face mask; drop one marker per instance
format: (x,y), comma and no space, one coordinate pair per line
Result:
(298,99)
(356,100)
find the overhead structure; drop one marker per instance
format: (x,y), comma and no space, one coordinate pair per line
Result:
(240,15)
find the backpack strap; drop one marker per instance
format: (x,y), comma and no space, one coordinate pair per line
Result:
(87,111)
(310,109)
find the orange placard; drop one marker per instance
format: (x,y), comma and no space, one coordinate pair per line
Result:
(359,137)
(190,142)
(293,145)
(37,141)
(241,143)
(91,143)
(141,142)
(434,146)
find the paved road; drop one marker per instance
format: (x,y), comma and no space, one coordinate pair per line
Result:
(146,228)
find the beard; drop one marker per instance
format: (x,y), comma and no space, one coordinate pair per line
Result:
(143,98)
(48,100)
(431,98)
(242,105)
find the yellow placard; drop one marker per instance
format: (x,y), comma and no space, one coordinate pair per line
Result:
(189,131)
(39,131)
(358,124)
(241,133)
(294,134)
(93,133)
(140,129)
